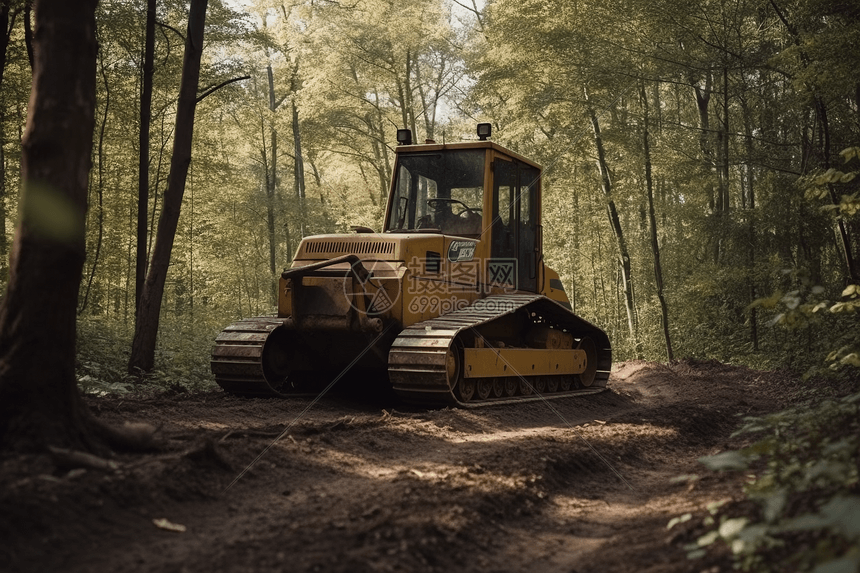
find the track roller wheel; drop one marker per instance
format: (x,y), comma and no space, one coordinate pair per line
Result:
(539,383)
(587,377)
(565,382)
(510,386)
(552,383)
(526,387)
(485,388)
(463,387)
(466,389)
(498,387)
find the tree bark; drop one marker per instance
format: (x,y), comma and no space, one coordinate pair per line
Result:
(615,223)
(749,202)
(39,400)
(299,169)
(146,328)
(143,158)
(655,244)
(271,183)
(99,193)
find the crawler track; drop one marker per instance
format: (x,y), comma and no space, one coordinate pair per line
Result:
(418,363)
(236,358)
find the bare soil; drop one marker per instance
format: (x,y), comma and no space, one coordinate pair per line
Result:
(575,485)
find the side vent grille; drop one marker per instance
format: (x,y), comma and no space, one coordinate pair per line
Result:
(344,247)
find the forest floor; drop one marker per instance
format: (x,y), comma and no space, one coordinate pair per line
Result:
(579,485)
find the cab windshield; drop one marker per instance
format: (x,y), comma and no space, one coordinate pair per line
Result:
(439,191)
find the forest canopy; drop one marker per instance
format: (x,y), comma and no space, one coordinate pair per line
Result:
(714,135)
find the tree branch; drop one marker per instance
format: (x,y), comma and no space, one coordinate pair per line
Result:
(174,30)
(219,86)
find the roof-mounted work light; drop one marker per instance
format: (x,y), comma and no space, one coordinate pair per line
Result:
(404,137)
(484,131)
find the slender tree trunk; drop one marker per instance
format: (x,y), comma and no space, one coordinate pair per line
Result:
(143,158)
(299,168)
(377,128)
(852,274)
(615,222)
(749,201)
(271,184)
(404,114)
(410,108)
(655,244)
(99,194)
(28,30)
(709,159)
(146,328)
(39,399)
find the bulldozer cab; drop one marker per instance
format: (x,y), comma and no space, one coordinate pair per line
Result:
(439,192)
(476,190)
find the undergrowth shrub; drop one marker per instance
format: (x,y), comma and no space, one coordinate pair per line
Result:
(181,356)
(802,472)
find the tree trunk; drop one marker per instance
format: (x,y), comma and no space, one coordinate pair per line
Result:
(299,169)
(377,128)
(615,223)
(749,202)
(39,400)
(271,183)
(143,158)
(852,274)
(100,194)
(655,244)
(146,328)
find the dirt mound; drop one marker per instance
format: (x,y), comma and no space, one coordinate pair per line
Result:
(580,484)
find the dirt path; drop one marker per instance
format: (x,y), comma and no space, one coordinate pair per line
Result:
(573,485)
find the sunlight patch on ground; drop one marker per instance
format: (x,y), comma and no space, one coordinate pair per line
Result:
(630,370)
(472,476)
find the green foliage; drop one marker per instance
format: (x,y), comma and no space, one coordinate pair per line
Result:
(802,473)
(805,307)
(803,464)
(102,354)
(182,357)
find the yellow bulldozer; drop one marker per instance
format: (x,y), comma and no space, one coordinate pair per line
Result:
(452,301)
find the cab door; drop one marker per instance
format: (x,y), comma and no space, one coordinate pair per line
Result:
(514,249)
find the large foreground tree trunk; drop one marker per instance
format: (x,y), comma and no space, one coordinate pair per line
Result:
(146,327)
(39,400)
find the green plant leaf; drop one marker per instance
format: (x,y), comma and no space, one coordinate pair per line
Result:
(676,520)
(708,538)
(731,460)
(730,528)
